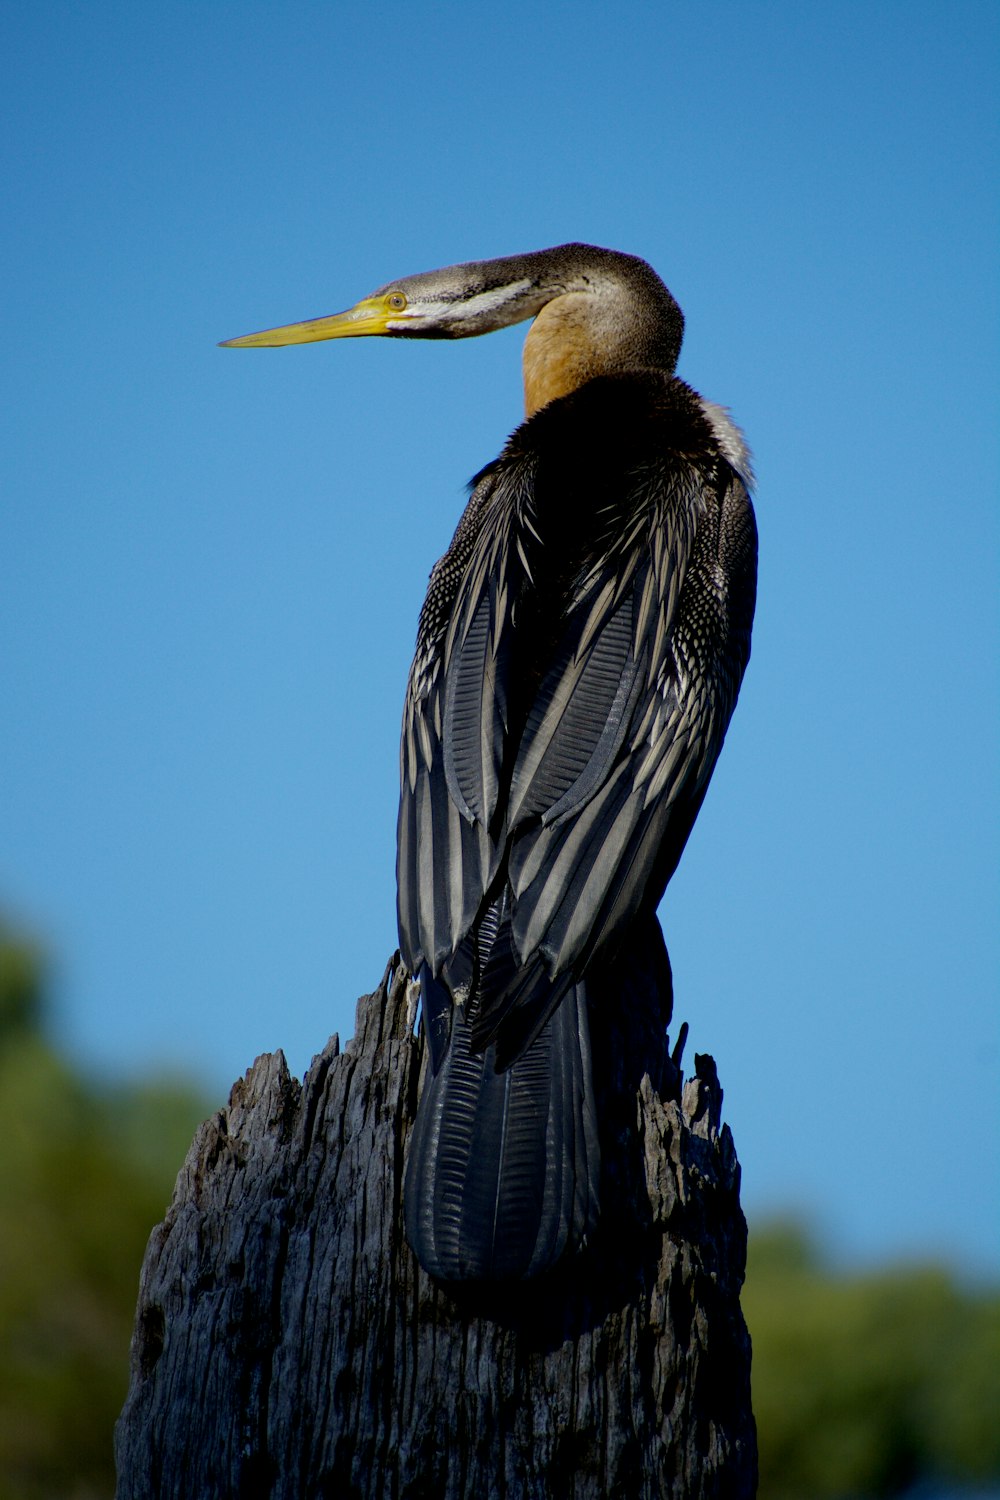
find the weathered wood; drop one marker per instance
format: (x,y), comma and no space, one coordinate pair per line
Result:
(288,1345)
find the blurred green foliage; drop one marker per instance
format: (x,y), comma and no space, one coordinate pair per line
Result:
(863,1385)
(866,1385)
(85,1173)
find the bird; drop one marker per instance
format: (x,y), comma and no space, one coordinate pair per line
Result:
(579,655)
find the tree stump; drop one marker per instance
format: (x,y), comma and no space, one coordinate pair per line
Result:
(288,1345)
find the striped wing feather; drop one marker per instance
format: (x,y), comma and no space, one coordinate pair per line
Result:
(589,808)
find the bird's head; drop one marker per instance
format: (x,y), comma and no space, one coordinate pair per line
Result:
(456,302)
(604,311)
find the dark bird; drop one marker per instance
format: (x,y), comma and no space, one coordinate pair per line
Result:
(578,658)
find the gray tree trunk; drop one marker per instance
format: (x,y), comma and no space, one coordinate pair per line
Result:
(287,1344)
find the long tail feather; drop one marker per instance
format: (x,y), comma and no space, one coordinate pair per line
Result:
(503,1168)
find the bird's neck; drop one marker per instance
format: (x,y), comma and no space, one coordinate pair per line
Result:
(577,337)
(559,356)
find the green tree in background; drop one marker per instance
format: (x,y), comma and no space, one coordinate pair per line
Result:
(85,1173)
(865,1385)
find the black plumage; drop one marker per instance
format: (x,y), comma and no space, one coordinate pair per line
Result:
(579,656)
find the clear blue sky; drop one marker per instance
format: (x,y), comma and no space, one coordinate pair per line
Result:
(211,563)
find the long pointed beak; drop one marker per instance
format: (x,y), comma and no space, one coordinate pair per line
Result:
(366,317)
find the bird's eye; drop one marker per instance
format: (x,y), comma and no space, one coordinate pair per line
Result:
(396,301)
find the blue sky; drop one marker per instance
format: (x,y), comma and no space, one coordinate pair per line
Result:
(211,563)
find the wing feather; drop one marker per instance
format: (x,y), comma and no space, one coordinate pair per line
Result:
(454,729)
(578,880)
(585,806)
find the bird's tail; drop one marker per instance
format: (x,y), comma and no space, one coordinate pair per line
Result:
(502,1174)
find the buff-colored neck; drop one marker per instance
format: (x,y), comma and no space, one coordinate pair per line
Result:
(605,331)
(561,351)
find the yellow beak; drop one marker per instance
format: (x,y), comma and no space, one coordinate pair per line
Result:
(369,316)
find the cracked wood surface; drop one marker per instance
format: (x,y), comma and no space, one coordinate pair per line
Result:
(287,1344)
